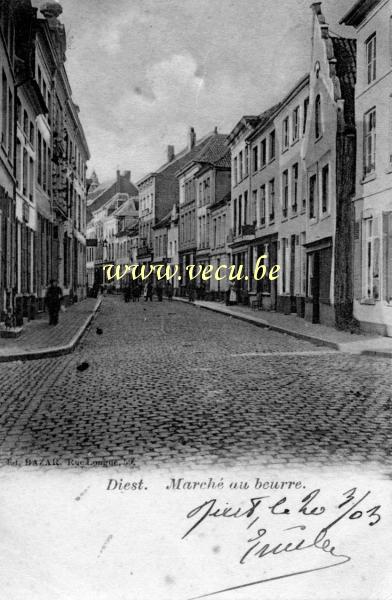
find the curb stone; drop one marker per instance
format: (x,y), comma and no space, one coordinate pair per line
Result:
(55,351)
(297,334)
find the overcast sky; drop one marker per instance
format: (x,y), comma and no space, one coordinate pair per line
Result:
(143,71)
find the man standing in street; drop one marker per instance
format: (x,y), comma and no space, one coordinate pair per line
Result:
(54,296)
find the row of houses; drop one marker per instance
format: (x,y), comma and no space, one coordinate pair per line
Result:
(43,155)
(307,182)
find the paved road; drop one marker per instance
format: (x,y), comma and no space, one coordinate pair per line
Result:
(174,383)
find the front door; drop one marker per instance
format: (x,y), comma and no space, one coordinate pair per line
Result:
(274,288)
(316,288)
(292,275)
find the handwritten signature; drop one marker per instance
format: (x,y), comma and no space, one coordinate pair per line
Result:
(258,546)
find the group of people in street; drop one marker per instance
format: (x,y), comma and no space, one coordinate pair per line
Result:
(135,290)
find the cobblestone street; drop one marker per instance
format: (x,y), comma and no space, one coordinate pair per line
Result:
(172,383)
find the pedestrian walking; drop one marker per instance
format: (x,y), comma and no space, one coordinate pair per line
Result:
(53,299)
(127,293)
(233,296)
(169,291)
(159,291)
(191,292)
(148,291)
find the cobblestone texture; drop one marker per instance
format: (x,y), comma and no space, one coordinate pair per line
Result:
(38,335)
(172,383)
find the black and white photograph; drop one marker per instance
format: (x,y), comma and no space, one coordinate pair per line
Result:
(195,299)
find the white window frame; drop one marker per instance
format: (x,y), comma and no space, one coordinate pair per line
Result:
(369,141)
(371,58)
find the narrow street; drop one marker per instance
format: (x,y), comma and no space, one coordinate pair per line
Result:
(172,383)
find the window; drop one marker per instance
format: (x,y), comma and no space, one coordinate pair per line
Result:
(4,109)
(371,58)
(317,117)
(312,196)
(235,171)
(263,153)
(240,161)
(246,165)
(285,134)
(369,258)
(285,193)
(295,123)
(272,145)
(18,111)
(245,208)
(254,207)
(25,172)
(235,216)
(31,133)
(18,163)
(255,159)
(294,188)
(325,189)
(39,153)
(262,205)
(306,110)
(10,122)
(25,123)
(369,155)
(285,244)
(271,194)
(31,179)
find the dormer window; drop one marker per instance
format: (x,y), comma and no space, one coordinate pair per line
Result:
(317,117)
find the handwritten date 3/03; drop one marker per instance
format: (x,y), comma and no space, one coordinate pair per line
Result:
(352,506)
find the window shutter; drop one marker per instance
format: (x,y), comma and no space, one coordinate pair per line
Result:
(376,269)
(357,261)
(387,256)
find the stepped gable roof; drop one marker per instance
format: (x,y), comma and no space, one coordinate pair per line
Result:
(346,70)
(358,12)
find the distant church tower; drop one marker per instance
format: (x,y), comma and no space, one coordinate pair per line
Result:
(94,183)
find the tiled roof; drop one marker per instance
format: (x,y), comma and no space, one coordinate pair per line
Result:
(263,119)
(182,158)
(164,222)
(130,206)
(346,69)
(102,187)
(224,161)
(213,150)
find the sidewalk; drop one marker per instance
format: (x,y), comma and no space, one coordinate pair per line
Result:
(39,340)
(320,335)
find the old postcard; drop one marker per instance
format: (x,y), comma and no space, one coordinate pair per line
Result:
(195,300)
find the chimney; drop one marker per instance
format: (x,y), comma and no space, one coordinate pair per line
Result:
(170,153)
(118,174)
(216,130)
(51,11)
(127,175)
(191,138)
